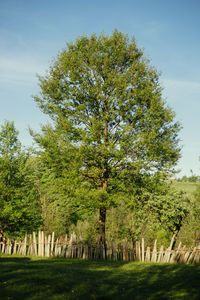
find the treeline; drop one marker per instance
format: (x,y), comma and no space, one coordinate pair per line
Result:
(192,178)
(100,167)
(41,190)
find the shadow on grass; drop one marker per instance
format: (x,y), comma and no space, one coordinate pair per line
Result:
(22,278)
(14,259)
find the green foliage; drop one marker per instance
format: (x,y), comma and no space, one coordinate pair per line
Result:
(104,96)
(170,208)
(19,210)
(189,233)
(152,215)
(111,145)
(105,102)
(86,228)
(59,181)
(145,207)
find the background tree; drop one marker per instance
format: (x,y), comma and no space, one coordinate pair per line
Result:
(19,209)
(57,180)
(105,97)
(192,178)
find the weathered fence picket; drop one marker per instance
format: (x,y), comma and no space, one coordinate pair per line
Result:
(161,254)
(154,253)
(148,254)
(142,249)
(46,245)
(137,251)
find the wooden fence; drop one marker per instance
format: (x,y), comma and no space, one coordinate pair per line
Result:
(47,246)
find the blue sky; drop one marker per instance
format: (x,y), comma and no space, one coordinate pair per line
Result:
(32,33)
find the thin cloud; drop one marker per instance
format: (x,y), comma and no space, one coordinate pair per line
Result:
(19,70)
(153,30)
(178,91)
(181,84)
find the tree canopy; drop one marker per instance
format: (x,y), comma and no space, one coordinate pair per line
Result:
(105,100)
(19,209)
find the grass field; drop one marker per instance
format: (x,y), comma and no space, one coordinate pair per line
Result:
(27,278)
(188,187)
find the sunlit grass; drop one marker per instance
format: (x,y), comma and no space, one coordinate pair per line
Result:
(188,187)
(28,278)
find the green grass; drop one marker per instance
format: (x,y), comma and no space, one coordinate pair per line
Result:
(28,278)
(188,187)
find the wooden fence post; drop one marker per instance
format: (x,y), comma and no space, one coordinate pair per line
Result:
(137,250)
(176,254)
(3,247)
(114,250)
(85,252)
(25,244)
(182,254)
(77,249)
(186,255)
(154,253)
(168,251)
(56,248)
(52,243)
(63,253)
(42,243)
(39,243)
(109,250)
(160,255)
(191,257)
(197,255)
(143,249)
(132,255)
(30,246)
(45,246)
(125,250)
(15,247)
(148,254)
(34,245)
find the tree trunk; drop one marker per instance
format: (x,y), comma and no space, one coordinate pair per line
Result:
(102,225)
(102,213)
(104,183)
(176,235)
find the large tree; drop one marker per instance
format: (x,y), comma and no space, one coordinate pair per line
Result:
(106,99)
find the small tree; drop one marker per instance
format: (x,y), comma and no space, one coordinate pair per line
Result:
(19,210)
(105,97)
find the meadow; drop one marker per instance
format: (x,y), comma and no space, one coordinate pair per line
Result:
(36,278)
(188,187)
